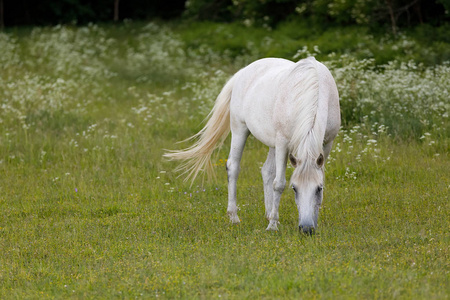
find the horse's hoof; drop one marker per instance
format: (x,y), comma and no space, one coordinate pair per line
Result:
(272,226)
(234,218)
(235,221)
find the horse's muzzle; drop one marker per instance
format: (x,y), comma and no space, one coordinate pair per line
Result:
(308,230)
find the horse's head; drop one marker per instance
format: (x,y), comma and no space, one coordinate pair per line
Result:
(307,183)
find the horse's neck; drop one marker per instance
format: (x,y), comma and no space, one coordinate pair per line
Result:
(307,133)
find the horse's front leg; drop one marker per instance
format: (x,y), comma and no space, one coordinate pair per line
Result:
(238,138)
(278,184)
(268,175)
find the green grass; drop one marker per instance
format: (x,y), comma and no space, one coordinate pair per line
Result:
(125,233)
(89,209)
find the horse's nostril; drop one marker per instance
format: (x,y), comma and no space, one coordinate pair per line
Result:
(308,230)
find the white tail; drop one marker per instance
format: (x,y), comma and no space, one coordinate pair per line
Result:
(198,156)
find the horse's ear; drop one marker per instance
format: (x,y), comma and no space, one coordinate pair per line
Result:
(294,161)
(320,160)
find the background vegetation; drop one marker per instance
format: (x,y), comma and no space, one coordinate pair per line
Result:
(88,208)
(374,13)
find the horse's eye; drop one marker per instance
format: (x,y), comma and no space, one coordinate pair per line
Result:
(319,189)
(295,190)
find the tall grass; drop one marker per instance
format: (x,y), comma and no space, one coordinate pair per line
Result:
(90,210)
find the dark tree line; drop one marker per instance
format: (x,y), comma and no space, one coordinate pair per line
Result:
(396,13)
(344,12)
(51,12)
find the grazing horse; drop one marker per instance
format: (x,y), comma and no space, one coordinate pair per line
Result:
(293,108)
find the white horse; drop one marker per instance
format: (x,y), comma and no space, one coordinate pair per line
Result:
(293,108)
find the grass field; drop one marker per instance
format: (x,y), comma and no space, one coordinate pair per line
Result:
(89,209)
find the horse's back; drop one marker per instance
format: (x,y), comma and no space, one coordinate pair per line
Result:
(259,72)
(256,87)
(264,85)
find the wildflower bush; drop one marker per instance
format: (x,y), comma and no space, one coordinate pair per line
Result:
(90,209)
(405,97)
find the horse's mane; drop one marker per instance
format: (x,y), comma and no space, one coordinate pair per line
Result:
(307,137)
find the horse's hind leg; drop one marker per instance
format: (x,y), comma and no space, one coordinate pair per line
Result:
(268,175)
(238,138)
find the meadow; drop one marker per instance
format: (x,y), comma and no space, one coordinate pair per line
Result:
(90,209)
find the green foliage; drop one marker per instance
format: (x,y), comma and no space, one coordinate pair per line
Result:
(386,15)
(216,10)
(423,44)
(374,13)
(88,208)
(446,4)
(47,12)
